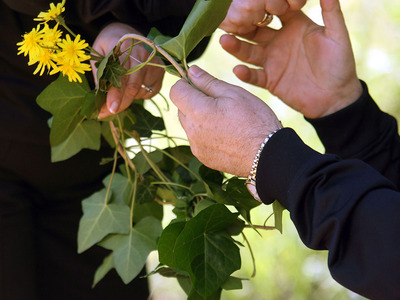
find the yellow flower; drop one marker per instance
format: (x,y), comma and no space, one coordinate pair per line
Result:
(51,36)
(52,14)
(45,59)
(30,43)
(71,69)
(73,51)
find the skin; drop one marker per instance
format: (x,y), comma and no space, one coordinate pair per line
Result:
(119,99)
(243,15)
(309,67)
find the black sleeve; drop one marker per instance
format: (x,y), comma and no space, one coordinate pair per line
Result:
(344,206)
(363,131)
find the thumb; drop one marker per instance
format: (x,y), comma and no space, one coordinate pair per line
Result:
(335,25)
(208,84)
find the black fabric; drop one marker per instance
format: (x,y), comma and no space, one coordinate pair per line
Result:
(40,208)
(343,205)
(40,201)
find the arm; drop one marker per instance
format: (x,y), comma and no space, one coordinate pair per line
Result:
(363,131)
(344,206)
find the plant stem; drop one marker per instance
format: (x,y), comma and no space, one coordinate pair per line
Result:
(251,254)
(260,227)
(111,179)
(154,47)
(119,146)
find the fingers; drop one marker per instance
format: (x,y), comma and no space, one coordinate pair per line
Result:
(187,98)
(244,51)
(276,7)
(256,77)
(142,84)
(208,84)
(332,15)
(296,4)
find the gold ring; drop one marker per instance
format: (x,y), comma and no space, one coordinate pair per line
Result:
(266,20)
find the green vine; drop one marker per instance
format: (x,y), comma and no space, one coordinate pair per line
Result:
(199,246)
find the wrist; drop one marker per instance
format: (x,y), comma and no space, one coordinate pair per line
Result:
(251,178)
(345,97)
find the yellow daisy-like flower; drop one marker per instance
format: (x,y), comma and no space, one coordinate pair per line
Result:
(52,14)
(31,43)
(50,37)
(45,59)
(72,51)
(71,69)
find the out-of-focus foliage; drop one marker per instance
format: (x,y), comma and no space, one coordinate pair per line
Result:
(286,269)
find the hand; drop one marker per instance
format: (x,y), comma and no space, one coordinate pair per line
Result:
(225,124)
(311,68)
(120,99)
(243,15)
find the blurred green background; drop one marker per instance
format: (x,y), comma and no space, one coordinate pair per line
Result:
(286,269)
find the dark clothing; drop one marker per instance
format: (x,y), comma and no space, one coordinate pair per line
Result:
(40,201)
(338,201)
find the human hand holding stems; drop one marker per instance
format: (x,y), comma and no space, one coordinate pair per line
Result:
(225,124)
(142,84)
(309,67)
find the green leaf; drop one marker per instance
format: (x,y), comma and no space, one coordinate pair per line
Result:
(103,269)
(141,163)
(203,204)
(121,188)
(69,133)
(149,209)
(202,21)
(206,251)
(107,134)
(113,73)
(278,215)
(100,219)
(167,242)
(130,251)
(146,192)
(58,94)
(92,104)
(85,135)
(233,283)
(145,121)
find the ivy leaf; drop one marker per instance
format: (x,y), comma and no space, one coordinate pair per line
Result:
(206,251)
(149,209)
(121,188)
(243,201)
(103,269)
(145,121)
(69,133)
(233,283)
(86,134)
(167,242)
(202,21)
(130,251)
(113,73)
(100,219)
(278,215)
(63,99)
(141,163)
(58,94)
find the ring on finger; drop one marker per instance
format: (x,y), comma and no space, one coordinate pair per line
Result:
(148,88)
(266,20)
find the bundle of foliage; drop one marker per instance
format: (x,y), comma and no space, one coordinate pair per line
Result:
(200,246)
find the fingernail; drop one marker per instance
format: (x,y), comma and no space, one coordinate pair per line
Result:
(195,71)
(114,107)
